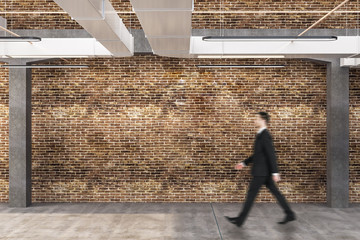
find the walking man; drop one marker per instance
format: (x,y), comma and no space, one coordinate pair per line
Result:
(264,171)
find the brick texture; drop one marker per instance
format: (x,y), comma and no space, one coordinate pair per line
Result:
(155,129)
(354,135)
(4,135)
(203,16)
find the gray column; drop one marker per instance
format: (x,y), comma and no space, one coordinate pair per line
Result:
(337,134)
(19,136)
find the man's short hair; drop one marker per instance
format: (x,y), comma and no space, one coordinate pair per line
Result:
(265,116)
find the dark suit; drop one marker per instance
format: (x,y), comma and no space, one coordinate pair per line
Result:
(263,166)
(264,157)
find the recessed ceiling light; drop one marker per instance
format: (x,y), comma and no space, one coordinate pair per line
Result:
(268,38)
(45,66)
(240,66)
(240,56)
(20,39)
(48,56)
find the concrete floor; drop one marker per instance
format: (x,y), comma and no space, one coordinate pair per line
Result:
(175,221)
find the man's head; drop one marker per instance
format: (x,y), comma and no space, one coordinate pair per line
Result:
(262,119)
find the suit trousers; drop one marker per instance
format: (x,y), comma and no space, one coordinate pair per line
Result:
(254,188)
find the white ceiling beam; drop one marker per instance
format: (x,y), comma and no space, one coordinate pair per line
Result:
(344,46)
(54,47)
(350,62)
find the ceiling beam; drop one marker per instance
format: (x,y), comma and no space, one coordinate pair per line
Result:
(55,47)
(350,62)
(343,47)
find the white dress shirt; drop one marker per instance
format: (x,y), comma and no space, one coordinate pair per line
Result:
(258,132)
(261,129)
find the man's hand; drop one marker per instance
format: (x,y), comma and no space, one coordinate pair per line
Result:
(239,166)
(276,178)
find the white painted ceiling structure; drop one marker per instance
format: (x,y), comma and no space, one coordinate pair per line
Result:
(344,46)
(167,26)
(100,20)
(54,48)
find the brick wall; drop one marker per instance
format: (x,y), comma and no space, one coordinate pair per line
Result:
(149,128)
(118,131)
(4,135)
(203,16)
(354,135)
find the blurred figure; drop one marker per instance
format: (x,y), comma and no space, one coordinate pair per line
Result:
(264,171)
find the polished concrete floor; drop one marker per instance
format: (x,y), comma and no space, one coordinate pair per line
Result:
(175,221)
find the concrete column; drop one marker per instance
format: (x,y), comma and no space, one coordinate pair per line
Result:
(337,134)
(19,136)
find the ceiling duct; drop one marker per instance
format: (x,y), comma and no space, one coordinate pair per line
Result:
(99,19)
(167,25)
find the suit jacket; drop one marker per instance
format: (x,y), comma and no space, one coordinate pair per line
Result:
(264,157)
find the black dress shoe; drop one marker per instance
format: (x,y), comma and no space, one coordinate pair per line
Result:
(288,218)
(231,219)
(235,221)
